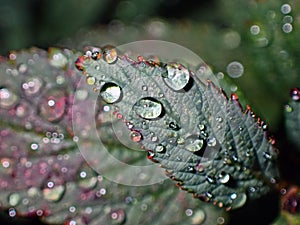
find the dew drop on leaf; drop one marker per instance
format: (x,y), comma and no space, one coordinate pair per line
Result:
(32,86)
(14,199)
(118,216)
(7,98)
(176,77)
(160,148)
(238,200)
(110,54)
(87,178)
(135,136)
(111,93)
(57,58)
(194,144)
(148,108)
(223,177)
(90,80)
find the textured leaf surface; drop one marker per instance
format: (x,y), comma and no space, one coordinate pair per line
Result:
(42,173)
(202,139)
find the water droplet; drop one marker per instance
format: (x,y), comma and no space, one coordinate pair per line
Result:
(110,54)
(32,86)
(144,88)
(111,93)
(79,63)
(288,108)
(287,19)
(174,126)
(34,146)
(135,136)
(148,108)
(81,94)
(57,58)
(295,94)
(287,28)
(234,97)
(22,68)
(219,119)
(239,200)
(160,149)
(7,98)
(267,155)
(53,193)
(12,212)
(194,145)
(189,212)
(87,178)
(233,196)
(53,105)
(94,53)
(286,8)
(91,80)
(255,29)
(235,69)
(14,199)
(223,177)
(118,216)
(220,220)
(210,179)
(177,77)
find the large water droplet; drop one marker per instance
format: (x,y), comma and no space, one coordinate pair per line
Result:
(53,105)
(110,54)
(7,98)
(53,193)
(177,77)
(111,93)
(148,108)
(32,86)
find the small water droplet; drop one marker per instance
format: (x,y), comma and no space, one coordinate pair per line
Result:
(189,212)
(110,54)
(267,155)
(194,145)
(90,80)
(57,58)
(295,94)
(12,212)
(223,177)
(118,216)
(144,88)
(177,76)
(254,29)
(174,126)
(79,63)
(210,179)
(160,149)
(211,142)
(111,93)
(34,146)
(86,177)
(233,196)
(135,136)
(7,98)
(148,108)
(287,28)
(219,119)
(198,217)
(235,69)
(95,53)
(234,97)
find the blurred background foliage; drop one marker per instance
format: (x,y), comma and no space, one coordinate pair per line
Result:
(257,33)
(260,34)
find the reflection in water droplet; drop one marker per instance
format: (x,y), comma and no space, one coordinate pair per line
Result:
(32,86)
(287,28)
(174,126)
(110,54)
(160,149)
(135,136)
(235,69)
(91,80)
(53,193)
(111,93)
(177,77)
(12,212)
(57,58)
(255,29)
(148,108)
(7,98)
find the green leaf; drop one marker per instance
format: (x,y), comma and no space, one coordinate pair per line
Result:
(203,140)
(43,174)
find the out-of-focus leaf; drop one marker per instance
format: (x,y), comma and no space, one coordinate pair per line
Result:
(200,137)
(42,173)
